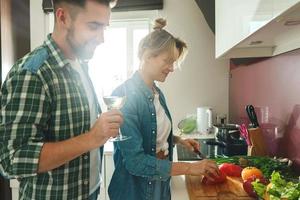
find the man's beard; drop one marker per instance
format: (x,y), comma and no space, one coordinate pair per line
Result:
(80,50)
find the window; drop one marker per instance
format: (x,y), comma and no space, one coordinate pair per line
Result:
(116,59)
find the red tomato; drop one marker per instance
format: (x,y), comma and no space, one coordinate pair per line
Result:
(220,179)
(231,169)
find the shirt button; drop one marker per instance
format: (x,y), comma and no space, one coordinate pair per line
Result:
(152,149)
(152,114)
(85,182)
(85,157)
(150,183)
(153,132)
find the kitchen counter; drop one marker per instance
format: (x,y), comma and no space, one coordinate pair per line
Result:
(178,186)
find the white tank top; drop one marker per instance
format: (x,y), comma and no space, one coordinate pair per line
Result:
(163,126)
(95,161)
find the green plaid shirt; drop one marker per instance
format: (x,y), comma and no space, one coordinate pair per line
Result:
(43,100)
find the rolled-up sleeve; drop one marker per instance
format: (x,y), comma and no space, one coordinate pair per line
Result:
(24,110)
(137,162)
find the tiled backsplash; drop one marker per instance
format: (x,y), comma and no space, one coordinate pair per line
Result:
(272,86)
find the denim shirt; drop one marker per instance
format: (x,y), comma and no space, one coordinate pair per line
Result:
(136,165)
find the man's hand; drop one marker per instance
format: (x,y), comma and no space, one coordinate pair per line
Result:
(106,126)
(55,154)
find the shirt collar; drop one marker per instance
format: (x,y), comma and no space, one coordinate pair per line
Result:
(142,85)
(55,52)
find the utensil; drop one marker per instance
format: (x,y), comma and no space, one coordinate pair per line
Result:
(199,154)
(245,134)
(258,147)
(252,116)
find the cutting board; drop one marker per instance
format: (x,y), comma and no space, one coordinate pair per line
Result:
(231,189)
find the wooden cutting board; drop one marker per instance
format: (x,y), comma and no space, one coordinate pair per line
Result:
(232,189)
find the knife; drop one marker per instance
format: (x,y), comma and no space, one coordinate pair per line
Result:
(199,154)
(252,116)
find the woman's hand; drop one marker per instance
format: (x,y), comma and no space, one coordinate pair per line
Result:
(207,168)
(190,144)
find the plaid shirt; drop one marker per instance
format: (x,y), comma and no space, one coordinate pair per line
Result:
(43,100)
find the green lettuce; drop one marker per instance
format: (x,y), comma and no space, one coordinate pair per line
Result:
(281,189)
(259,188)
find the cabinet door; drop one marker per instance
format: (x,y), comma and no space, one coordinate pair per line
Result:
(108,169)
(236,20)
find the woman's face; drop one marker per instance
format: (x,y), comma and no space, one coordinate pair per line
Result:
(158,67)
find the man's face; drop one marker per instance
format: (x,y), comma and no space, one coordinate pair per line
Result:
(86,30)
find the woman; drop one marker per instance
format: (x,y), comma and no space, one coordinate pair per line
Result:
(143,163)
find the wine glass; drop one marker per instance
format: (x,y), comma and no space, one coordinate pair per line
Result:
(115,102)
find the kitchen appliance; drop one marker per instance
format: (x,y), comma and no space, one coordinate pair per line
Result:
(228,140)
(204,120)
(183,154)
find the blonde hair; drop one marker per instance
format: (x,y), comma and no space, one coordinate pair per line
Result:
(160,40)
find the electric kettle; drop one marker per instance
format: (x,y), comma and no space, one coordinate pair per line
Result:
(204,120)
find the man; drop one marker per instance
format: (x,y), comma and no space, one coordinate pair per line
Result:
(50,132)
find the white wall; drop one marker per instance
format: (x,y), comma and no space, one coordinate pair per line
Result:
(39,24)
(203,80)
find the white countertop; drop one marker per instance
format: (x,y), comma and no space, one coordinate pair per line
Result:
(178,186)
(197,135)
(108,148)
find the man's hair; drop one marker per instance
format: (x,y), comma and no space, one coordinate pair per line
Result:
(81,3)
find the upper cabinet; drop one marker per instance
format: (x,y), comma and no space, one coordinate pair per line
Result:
(256,28)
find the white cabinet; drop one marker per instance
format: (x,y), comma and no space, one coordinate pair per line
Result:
(255,28)
(14,185)
(107,169)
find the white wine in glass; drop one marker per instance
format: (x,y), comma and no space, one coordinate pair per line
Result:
(115,102)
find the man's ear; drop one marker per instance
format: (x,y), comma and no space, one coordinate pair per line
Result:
(62,17)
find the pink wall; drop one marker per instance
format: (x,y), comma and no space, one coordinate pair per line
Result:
(273,83)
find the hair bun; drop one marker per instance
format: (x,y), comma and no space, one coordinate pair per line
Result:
(159,24)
